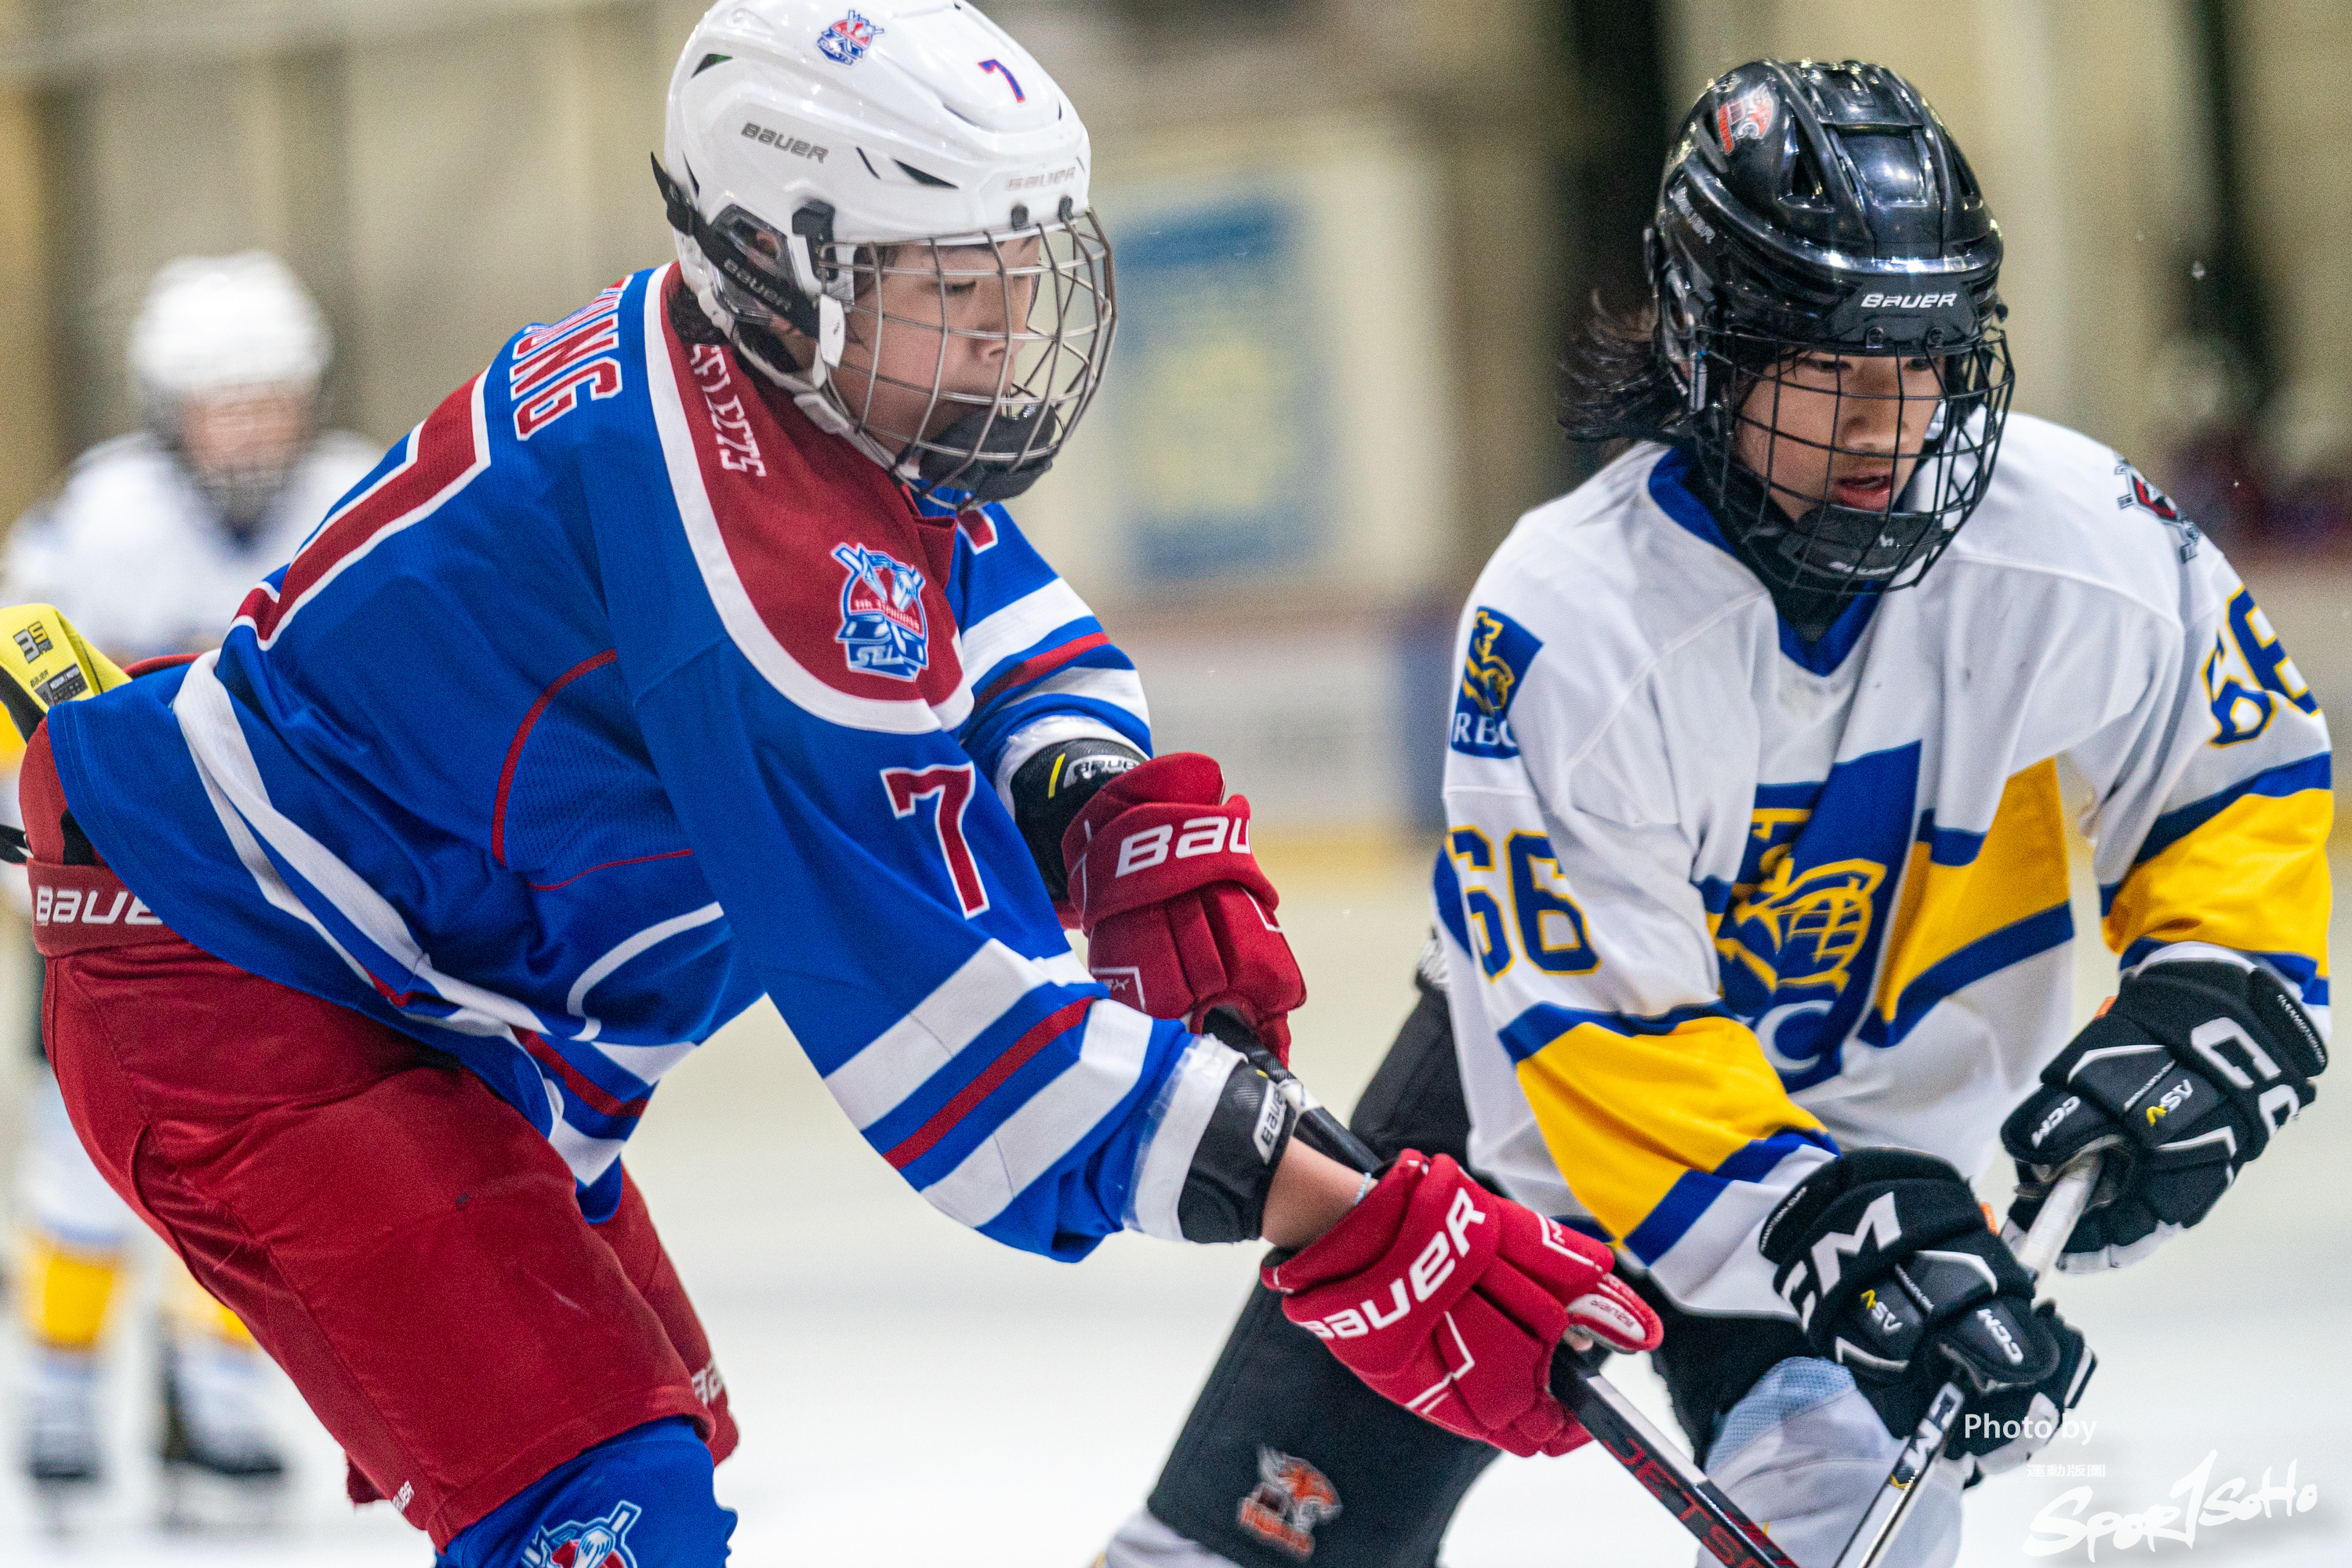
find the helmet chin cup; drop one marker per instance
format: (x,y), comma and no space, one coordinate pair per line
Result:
(990,454)
(824,413)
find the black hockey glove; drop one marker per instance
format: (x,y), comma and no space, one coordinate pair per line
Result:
(2183,1080)
(1895,1277)
(2000,1431)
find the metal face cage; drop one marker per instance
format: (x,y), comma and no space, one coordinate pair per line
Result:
(963,362)
(1790,434)
(242,483)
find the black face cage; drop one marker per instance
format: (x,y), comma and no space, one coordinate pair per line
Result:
(1783,507)
(1003,336)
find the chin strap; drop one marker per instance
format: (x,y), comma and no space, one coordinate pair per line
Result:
(802,303)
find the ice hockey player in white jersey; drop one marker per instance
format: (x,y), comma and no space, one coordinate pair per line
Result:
(1753,913)
(151,543)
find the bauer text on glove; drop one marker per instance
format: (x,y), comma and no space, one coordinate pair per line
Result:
(1450,1301)
(1179,918)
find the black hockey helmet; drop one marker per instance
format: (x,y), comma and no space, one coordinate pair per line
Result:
(1810,209)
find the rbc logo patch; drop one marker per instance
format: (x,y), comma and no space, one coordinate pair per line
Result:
(847,40)
(1496,665)
(883,627)
(599,1543)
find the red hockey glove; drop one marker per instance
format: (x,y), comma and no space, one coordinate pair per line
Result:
(1450,1301)
(1178,917)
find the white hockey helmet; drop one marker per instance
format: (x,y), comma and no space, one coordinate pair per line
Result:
(820,153)
(239,331)
(212,322)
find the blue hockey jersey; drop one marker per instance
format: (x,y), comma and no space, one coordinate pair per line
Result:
(617,697)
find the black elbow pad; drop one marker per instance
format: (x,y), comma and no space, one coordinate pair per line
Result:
(1232,1169)
(1051,788)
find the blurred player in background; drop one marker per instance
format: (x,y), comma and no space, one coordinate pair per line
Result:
(150,545)
(1753,907)
(684,656)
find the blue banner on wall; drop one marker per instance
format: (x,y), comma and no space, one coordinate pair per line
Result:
(1219,386)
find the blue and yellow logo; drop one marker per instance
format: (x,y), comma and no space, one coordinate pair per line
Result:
(1798,943)
(1804,927)
(1493,670)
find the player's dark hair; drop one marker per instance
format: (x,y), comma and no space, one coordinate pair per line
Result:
(687,318)
(1613,382)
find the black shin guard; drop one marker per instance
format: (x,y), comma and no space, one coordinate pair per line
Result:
(1287,1457)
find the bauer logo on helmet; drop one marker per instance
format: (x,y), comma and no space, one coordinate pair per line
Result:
(847,40)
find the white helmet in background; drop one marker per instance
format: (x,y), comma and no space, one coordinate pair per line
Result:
(216,322)
(836,172)
(235,339)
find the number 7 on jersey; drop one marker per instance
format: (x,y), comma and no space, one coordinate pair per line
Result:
(952,787)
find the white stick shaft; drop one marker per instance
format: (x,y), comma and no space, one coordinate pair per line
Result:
(2069,1195)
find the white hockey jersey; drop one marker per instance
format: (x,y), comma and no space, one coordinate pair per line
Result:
(1719,902)
(130,548)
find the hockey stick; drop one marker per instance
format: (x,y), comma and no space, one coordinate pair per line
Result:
(1882,1519)
(1698,1505)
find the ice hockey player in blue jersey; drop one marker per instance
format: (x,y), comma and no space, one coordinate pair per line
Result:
(1753,916)
(685,656)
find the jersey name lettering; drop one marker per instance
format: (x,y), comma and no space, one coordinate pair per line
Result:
(554,364)
(739,449)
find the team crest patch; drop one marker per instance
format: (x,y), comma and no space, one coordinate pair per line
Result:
(1492,673)
(599,1543)
(1746,117)
(883,627)
(847,40)
(1291,1498)
(2138,492)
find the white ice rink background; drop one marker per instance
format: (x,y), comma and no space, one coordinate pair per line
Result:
(913,1394)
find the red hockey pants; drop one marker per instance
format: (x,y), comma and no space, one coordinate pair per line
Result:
(397,1238)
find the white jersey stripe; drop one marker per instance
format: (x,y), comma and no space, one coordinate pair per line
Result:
(273,888)
(588,1157)
(900,1060)
(217,747)
(1186,1102)
(1119,687)
(1020,626)
(1035,1137)
(478,464)
(645,1063)
(596,972)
